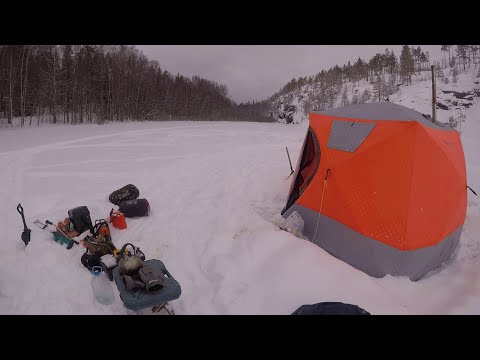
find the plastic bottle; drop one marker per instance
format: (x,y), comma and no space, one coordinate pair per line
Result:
(101,286)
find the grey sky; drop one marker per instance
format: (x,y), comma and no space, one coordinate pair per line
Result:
(254,72)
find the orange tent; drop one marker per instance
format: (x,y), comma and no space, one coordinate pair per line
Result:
(382,188)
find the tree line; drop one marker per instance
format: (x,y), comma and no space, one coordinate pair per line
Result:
(97,83)
(411,60)
(460,55)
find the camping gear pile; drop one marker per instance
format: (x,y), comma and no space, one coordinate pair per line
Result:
(142,284)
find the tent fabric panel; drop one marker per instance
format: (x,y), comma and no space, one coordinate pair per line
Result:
(438,199)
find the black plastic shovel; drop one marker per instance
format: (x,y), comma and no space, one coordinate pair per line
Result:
(26,231)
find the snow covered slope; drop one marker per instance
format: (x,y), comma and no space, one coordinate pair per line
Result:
(453,98)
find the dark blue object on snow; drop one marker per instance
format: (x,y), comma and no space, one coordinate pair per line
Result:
(330,308)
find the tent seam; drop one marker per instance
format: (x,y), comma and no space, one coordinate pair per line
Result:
(416,127)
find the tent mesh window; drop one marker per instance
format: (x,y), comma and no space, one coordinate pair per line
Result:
(306,169)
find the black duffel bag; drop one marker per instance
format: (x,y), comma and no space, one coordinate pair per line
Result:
(128,192)
(134,208)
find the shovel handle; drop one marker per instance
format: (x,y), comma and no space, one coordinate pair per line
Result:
(20,211)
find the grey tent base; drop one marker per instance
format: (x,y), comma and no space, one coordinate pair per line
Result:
(140,299)
(371,256)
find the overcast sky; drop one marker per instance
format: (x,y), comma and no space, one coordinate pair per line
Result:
(254,72)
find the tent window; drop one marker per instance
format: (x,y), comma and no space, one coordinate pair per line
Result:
(305,169)
(348,136)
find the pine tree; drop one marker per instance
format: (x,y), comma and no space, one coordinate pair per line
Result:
(366,95)
(67,78)
(331,100)
(474,49)
(344,101)
(379,87)
(307,106)
(424,57)
(444,49)
(462,54)
(406,62)
(416,55)
(393,63)
(452,61)
(455,74)
(391,86)
(439,72)
(355,99)
(384,86)
(322,97)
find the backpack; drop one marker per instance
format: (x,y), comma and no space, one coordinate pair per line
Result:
(99,245)
(128,192)
(134,208)
(80,218)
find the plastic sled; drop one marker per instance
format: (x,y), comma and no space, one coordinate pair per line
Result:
(139,299)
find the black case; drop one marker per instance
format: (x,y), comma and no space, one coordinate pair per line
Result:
(80,218)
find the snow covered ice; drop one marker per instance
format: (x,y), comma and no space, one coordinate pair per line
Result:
(216,190)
